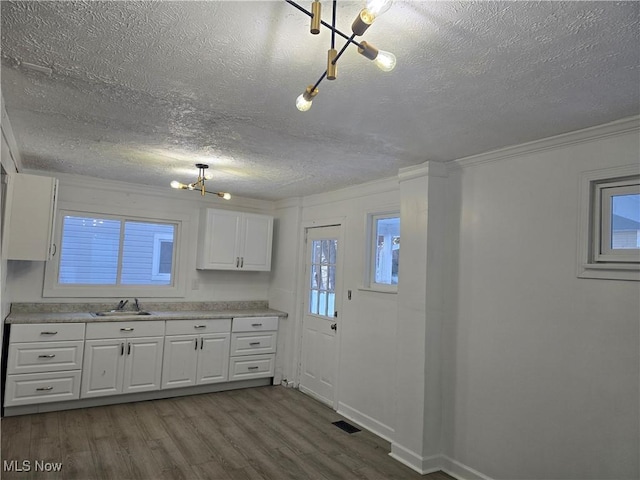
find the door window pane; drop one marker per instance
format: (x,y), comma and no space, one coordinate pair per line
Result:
(322,277)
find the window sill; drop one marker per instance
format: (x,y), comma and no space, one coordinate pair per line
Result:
(378,290)
(608,271)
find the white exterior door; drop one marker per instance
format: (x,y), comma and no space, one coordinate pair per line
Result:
(320,322)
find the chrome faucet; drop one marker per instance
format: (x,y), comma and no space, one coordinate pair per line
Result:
(137,305)
(122,304)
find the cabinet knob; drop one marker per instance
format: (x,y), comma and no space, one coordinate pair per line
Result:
(252,344)
(48,333)
(46,356)
(252,368)
(44,389)
(127,329)
(199,326)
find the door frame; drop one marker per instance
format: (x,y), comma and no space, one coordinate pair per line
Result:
(301,295)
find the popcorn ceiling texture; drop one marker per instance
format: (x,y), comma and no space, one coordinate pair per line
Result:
(141,91)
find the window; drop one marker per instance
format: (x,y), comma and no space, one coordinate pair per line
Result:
(610,243)
(115,255)
(384,251)
(105,251)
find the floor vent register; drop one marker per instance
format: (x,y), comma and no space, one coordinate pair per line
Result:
(347,427)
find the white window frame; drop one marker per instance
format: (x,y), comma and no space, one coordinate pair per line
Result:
(595,257)
(158,239)
(177,288)
(371,250)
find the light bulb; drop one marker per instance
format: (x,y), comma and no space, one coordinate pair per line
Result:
(177,184)
(226,196)
(302,103)
(208,176)
(374,9)
(385,61)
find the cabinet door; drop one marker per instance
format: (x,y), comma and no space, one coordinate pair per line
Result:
(30,218)
(257,233)
(180,361)
(102,367)
(219,241)
(213,358)
(143,364)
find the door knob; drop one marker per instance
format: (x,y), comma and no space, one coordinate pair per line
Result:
(334,326)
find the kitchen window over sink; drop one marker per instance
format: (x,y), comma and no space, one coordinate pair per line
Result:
(104,255)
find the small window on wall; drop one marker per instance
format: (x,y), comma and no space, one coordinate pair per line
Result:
(610,233)
(385,252)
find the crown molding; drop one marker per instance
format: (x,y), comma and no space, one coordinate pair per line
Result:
(355,191)
(7,133)
(291,202)
(116,187)
(426,169)
(611,129)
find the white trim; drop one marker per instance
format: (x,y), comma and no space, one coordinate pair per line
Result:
(7,132)
(426,169)
(352,192)
(615,128)
(365,421)
(418,463)
(461,471)
(585,266)
(91,184)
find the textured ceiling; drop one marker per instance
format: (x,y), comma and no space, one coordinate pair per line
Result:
(141,91)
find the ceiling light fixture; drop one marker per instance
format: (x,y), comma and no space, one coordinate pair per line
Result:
(199,183)
(384,60)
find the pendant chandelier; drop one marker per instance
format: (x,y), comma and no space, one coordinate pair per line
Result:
(384,60)
(199,183)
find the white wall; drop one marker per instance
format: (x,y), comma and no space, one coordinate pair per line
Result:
(367,322)
(543,373)
(25,279)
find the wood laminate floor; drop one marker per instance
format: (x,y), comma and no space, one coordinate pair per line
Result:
(265,433)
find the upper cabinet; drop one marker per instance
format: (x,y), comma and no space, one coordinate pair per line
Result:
(234,241)
(30,217)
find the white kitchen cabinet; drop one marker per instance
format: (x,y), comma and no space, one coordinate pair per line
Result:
(253,347)
(123,363)
(43,363)
(234,241)
(30,217)
(196,359)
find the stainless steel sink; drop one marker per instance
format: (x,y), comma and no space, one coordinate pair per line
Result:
(118,313)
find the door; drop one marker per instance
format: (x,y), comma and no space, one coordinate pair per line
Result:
(320,325)
(220,247)
(213,358)
(180,360)
(102,367)
(143,364)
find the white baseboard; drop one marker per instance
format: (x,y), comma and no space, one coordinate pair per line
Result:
(461,471)
(370,423)
(424,465)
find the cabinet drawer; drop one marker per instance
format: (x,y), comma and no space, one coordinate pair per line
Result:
(251,366)
(47,332)
(253,343)
(187,327)
(44,357)
(150,328)
(255,324)
(31,388)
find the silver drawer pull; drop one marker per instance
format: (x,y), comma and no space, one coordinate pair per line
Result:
(256,324)
(44,389)
(252,368)
(48,333)
(127,329)
(46,356)
(254,343)
(199,326)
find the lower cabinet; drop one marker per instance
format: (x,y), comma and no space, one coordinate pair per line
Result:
(253,347)
(196,359)
(125,363)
